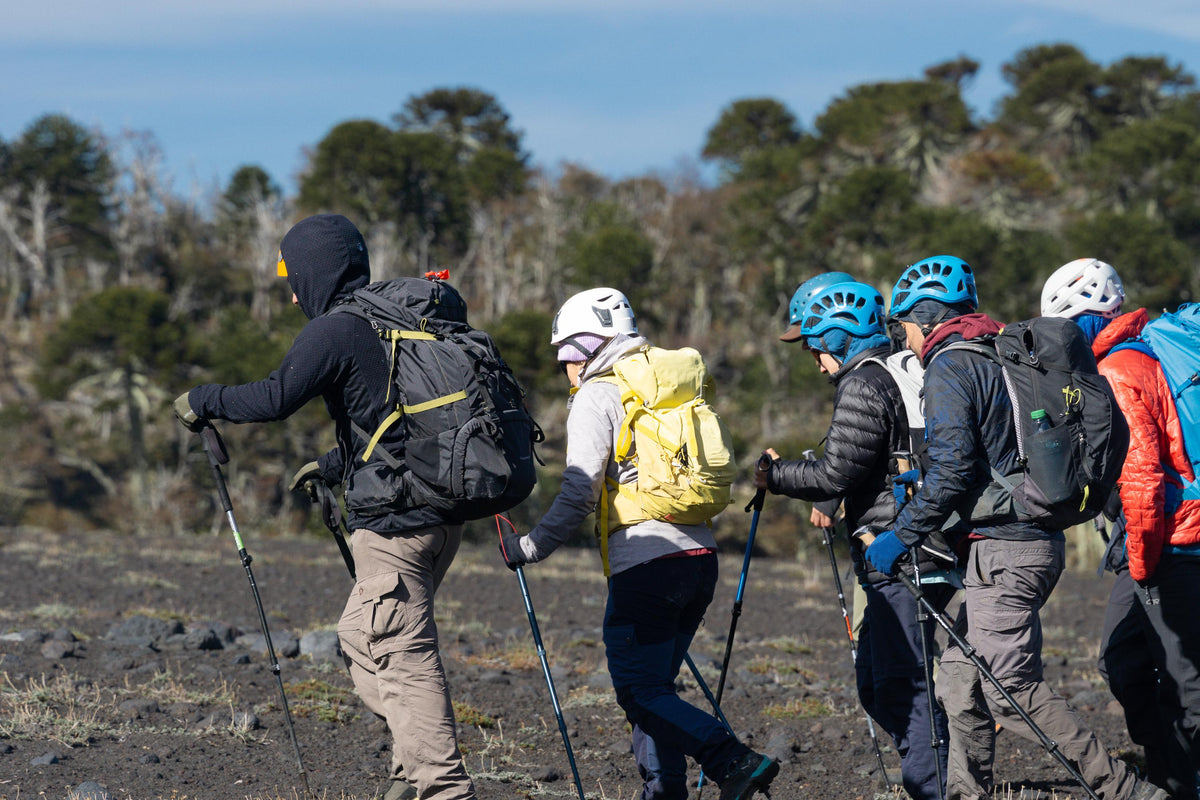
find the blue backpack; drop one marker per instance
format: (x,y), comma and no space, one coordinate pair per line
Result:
(1174,341)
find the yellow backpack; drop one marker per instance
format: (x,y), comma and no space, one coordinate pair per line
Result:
(683,453)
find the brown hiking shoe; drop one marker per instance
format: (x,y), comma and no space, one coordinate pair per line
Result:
(1144,790)
(399,790)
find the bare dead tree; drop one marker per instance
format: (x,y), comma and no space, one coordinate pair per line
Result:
(270,224)
(27,228)
(138,196)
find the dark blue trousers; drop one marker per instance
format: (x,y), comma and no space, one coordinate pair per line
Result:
(653,612)
(892,686)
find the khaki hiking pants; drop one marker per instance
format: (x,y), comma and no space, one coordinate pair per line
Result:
(1006,584)
(390,643)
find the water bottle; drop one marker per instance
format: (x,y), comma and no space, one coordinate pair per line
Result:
(1049,462)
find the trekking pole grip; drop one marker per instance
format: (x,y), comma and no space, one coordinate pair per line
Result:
(756,504)
(214,447)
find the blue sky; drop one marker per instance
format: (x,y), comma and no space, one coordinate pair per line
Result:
(620,86)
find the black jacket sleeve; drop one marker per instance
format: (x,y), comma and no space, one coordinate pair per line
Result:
(311,365)
(859,438)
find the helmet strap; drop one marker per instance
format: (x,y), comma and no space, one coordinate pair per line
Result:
(828,351)
(927,328)
(574,342)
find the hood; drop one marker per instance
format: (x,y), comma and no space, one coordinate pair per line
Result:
(610,353)
(861,344)
(1126,326)
(880,352)
(326,260)
(969,326)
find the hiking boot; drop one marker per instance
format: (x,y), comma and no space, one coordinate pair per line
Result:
(751,773)
(1144,790)
(399,790)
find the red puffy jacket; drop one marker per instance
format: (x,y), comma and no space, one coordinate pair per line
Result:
(1155,438)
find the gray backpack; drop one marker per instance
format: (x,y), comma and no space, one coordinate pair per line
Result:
(1071,435)
(468,439)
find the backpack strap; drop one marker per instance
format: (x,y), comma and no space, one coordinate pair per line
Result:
(985,348)
(901,459)
(1138,344)
(602,526)
(608,485)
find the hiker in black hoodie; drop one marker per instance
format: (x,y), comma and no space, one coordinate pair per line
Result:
(401,551)
(840,321)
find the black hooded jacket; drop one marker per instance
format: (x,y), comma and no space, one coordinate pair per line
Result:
(337,357)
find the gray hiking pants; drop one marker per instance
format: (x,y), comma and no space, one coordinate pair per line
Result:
(1006,584)
(391,647)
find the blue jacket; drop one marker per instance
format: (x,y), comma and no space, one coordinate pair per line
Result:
(969,428)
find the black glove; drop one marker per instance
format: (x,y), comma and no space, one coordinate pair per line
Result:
(304,478)
(186,416)
(511,552)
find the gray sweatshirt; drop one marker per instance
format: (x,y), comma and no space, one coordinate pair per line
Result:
(593,425)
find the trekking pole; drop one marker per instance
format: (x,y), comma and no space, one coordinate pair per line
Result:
(827,532)
(935,741)
(969,651)
(720,715)
(331,515)
(541,651)
(756,505)
(214,447)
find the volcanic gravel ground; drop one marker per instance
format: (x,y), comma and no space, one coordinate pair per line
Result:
(130,667)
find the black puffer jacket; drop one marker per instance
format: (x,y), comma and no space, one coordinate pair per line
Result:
(337,357)
(868,426)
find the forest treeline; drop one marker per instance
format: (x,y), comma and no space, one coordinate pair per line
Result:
(116,293)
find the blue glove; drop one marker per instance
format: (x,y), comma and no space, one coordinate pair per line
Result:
(885,551)
(902,483)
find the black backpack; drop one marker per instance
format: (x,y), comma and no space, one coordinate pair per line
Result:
(1070,456)
(468,439)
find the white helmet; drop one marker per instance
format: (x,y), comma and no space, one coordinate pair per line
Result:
(604,312)
(1085,285)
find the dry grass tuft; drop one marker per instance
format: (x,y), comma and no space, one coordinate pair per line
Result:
(467,714)
(519,655)
(798,708)
(316,698)
(61,709)
(790,645)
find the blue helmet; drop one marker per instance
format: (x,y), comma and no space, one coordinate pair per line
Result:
(803,296)
(852,307)
(947,279)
